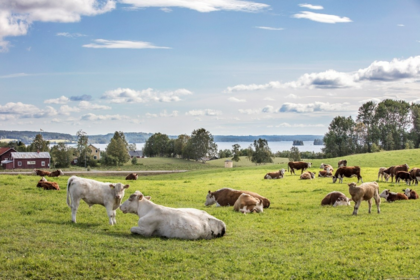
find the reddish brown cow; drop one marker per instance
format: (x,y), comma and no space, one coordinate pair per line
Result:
(41,173)
(391,196)
(48,185)
(56,173)
(403,175)
(415,175)
(132,176)
(248,204)
(342,163)
(411,194)
(298,165)
(228,197)
(392,171)
(275,175)
(335,198)
(347,171)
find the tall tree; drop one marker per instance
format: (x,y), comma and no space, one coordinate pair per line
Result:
(339,140)
(156,145)
(118,148)
(39,144)
(415,119)
(236,151)
(62,155)
(180,144)
(201,144)
(294,154)
(82,149)
(367,117)
(261,152)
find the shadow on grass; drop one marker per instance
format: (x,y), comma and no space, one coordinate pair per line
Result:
(70,223)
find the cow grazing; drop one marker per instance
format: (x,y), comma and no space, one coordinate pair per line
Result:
(47,185)
(392,171)
(391,196)
(248,204)
(342,163)
(336,199)
(326,167)
(161,221)
(307,175)
(382,174)
(347,171)
(132,176)
(275,175)
(298,165)
(41,173)
(94,192)
(365,191)
(56,173)
(228,197)
(415,175)
(403,175)
(411,194)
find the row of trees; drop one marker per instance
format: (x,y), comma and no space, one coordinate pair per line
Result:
(388,125)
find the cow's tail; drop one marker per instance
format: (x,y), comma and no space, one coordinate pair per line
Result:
(68,189)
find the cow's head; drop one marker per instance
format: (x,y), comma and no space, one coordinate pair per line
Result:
(60,172)
(386,176)
(407,192)
(132,204)
(309,164)
(312,175)
(322,166)
(342,201)
(384,194)
(334,178)
(210,199)
(119,190)
(282,171)
(43,179)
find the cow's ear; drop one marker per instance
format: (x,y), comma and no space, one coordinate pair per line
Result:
(140,197)
(111,186)
(148,197)
(209,191)
(126,186)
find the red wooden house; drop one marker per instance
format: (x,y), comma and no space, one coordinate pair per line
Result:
(6,155)
(28,160)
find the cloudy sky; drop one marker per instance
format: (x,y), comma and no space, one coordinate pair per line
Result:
(231,66)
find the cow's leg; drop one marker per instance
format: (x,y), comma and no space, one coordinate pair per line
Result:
(378,203)
(74,206)
(111,214)
(341,179)
(356,207)
(370,205)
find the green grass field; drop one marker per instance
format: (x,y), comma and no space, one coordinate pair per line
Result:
(293,239)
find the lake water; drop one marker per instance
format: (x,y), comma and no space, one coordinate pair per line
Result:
(274,146)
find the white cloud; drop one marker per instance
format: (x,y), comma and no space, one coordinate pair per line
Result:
(67,110)
(22,110)
(299,125)
(417,101)
(17,16)
(324,18)
(313,107)
(249,111)
(203,6)
(375,100)
(292,96)
(70,35)
(93,117)
(88,105)
(60,100)
(270,28)
(16,75)
(234,99)
(166,10)
(206,112)
(149,115)
(309,6)
(126,95)
(400,25)
(269,99)
(114,44)
(166,114)
(268,109)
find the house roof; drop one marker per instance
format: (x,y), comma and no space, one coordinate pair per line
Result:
(30,155)
(90,145)
(5,149)
(135,153)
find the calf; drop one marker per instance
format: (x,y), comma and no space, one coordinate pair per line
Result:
(411,194)
(325,173)
(392,171)
(47,185)
(382,174)
(228,197)
(182,223)
(94,192)
(298,165)
(326,167)
(347,171)
(342,163)
(307,175)
(56,173)
(365,191)
(404,176)
(248,204)
(391,196)
(336,199)
(415,175)
(41,173)
(132,176)
(275,175)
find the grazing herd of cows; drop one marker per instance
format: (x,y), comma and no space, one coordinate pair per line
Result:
(191,223)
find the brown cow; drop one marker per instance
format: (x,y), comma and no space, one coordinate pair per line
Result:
(342,163)
(228,197)
(336,199)
(132,176)
(56,173)
(391,196)
(298,165)
(415,175)
(275,175)
(48,185)
(347,171)
(392,171)
(248,204)
(326,167)
(382,174)
(404,176)
(411,194)
(307,175)
(41,173)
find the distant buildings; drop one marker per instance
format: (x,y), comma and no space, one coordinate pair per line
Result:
(96,153)
(27,160)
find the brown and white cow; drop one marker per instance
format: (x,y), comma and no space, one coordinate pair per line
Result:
(56,173)
(41,172)
(391,196)
(325,173)
(382,174)
(415,175)
(132,176)
(411,194)
(275,175)
(228,197)
(248,204)
(326,167)
(342,163)
(307,175)
(298,165)
(403,175)
(347,171)
(392,171)
(336,198)
(47,185)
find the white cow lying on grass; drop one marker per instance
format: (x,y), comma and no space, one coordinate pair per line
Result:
(94,192)
(183,223)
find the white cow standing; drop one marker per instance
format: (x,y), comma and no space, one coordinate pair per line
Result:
(94,192)
(183,223)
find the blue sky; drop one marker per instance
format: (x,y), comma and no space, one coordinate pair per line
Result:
(230,66)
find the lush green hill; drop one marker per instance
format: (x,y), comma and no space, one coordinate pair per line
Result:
(294,238)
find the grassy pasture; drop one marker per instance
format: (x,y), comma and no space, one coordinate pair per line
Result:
(294,238)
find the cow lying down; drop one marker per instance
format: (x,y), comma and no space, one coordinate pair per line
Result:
(336,198)
(228,197)
(391,196)
(162,221)
(411,194)
(43,183)
(248,204)
(275,175)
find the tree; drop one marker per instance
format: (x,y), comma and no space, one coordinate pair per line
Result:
(201,144)
(262,153)
(82,149)
(132,147)
(294,154)
(170,148)
(118,148)
(415,119)
(39,144)
(180,145)
(134,160)
(367,117)
(62,155)
(339,140)
(236,152)
(156,145)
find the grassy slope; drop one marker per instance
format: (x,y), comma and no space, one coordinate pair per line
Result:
(294,238)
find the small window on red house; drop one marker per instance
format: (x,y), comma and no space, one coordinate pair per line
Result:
(42,163)
(19,163)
